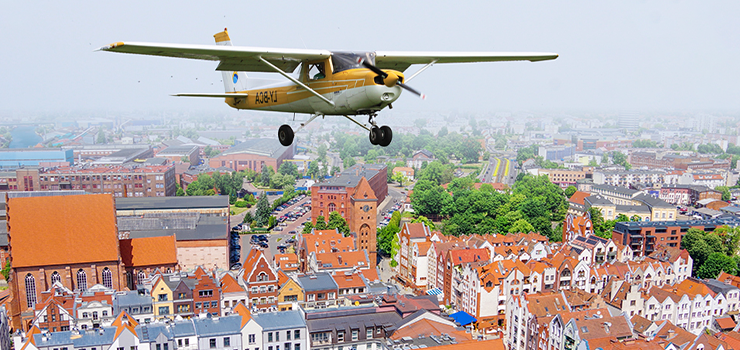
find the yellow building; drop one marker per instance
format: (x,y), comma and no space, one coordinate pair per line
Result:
(162,299)
(290,292)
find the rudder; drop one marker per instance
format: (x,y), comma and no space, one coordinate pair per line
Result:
(233,81)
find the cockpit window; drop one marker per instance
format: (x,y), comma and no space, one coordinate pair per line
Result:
(350,60)
(316,71)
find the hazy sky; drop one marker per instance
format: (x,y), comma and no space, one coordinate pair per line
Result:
(614,55)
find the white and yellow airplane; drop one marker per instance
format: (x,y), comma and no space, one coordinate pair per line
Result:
(329,83)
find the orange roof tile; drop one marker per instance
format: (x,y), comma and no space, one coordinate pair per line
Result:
(423,247)
(130,323)
(462,256)
(345,281)
(148,251)
(428,327)
(363,191)
(343,259)
(243,311)
(78,229)
(286,262)
(732,338)
(578,197)
(282,277)
(324,241)
(493,344)
(726,322)
(415,230)
(230,285)
(370,274)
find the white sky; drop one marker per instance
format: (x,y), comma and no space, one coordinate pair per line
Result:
(614,55)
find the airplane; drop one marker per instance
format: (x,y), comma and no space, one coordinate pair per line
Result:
(329,83)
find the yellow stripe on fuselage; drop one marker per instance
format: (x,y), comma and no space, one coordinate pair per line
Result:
(265,98)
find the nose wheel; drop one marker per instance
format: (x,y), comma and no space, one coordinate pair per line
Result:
(381,135)
(285,135)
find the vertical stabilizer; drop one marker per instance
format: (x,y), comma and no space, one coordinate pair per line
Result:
(233,81)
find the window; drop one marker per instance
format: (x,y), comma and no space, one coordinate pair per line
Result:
(297,334)
(287,346)
(227,342)
(107,278)
(164,310)
(369,333)
(297,346)
(30,290)
(187,342)
(340,336)
(197,305)
(165,346)
(55,277)
(162,297)
(277,336)
(140,277)
(269,336)
(354,334)
(287,335)
(212,343)
(159,346)
(205,293)
(251,339)
(214,304)
(81,280)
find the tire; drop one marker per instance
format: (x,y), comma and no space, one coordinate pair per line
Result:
(285,135)
(387,136)
(375,135)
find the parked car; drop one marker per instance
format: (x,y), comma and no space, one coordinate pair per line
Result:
(236,266)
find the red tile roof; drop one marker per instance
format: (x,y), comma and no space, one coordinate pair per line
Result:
(349,281)
(74,230)
(370,274)
(726,323)
(462,256)
(343,259)
(579,197)
(148,251)
(323,241)
(230,285)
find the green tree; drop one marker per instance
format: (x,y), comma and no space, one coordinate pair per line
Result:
(716,263)
(232,197)
(6,270)
(313,169)
(248,218)
(288,168)
(262,213)
(271,221)
(336,221)
(422,219)
(400,178)
(348,162)
(101,137)
(307,227)
(320,223)
(726,195)
(570,191)
(604,159)
(442,132)
(635,218)
(621,218)
(180,192)
(265,175)
(521,225)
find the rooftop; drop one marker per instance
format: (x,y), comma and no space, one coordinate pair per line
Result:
(187,202)
(269,147)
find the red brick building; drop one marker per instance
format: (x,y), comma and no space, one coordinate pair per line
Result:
(206,293)
(261,281)
(74,243)
(253,154)
(142,256)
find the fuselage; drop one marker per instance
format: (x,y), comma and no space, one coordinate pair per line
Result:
(353,91)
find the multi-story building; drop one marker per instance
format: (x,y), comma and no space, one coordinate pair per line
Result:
(320,242)
(320,290)
(253,154)
(206,293)
(362,328)
(687,194)
(260,280)
(282,330)
(121,181)
(643,237)
(410,234)
(179,154)
(567,177)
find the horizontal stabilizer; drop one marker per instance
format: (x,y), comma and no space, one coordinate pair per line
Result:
(217,95)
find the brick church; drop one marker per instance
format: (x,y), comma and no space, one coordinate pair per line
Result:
(72,240)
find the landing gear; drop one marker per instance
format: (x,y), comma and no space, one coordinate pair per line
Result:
(381,135)
(285,135)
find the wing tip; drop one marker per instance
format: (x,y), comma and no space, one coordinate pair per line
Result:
(110,46)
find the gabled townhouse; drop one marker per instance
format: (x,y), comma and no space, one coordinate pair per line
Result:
(322,241)
(290,292)
(136,303)
(522,313)
(350,283)
(206,293)
(410,234)
(260,281)
(338,262)
(232,293)
(362,328)
(454,260)
(581,331)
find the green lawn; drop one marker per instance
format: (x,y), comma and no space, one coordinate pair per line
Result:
(238,210)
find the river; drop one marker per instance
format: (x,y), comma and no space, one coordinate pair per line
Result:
(24,136)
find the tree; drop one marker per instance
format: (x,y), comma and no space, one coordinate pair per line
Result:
(265,175)
(320,223)
(232,197)
(716,263)
(424,220)
(288,168)
(399,177)
(262,213)
(621,218)
(271,221)
(604,159)
(726,195)
(322,153)
(442,132)
(313,169)
(180,192)
(248,218)
(348,162)
(210,152)
(307,227)
(635,218)
(336,221)
(570,190)
(101,137)
(521,225)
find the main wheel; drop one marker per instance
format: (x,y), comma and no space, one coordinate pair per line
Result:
(375,135)
(285,135)
(387,135)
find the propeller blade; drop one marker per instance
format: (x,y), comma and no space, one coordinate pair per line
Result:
(373,68)
(411,90)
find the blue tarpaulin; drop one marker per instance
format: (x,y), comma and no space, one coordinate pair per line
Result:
(435,291)
(463,318)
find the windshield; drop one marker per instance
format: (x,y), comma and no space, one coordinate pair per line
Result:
(349,60)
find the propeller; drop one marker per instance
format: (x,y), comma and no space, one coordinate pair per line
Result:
(390,79)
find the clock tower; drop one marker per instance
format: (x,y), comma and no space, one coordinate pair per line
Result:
(364,224)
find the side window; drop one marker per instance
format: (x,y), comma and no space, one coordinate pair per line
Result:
(316,71)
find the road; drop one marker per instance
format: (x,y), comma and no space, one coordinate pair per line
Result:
(501,170)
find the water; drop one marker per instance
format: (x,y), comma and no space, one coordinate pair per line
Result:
(24,137)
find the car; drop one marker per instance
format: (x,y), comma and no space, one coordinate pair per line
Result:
(279,228)
(281,246)
(292,232)
(263,245)
(283,224)
(290,240)
(236,266)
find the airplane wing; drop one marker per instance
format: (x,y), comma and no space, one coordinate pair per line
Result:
(401,61)
(232,58)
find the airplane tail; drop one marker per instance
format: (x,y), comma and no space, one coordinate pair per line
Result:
(233,81)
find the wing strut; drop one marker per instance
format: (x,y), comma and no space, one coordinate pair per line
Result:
(356,122)
(296,81)
(420,70)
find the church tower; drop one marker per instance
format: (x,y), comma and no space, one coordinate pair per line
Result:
(364,219)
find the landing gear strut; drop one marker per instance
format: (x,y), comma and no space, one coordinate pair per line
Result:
(285,135)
